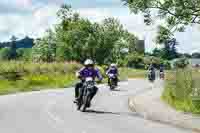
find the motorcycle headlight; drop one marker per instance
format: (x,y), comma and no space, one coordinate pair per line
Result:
(90,84)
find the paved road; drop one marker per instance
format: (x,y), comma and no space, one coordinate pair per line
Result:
(53,112)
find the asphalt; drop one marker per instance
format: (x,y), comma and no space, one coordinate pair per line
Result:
(53,111)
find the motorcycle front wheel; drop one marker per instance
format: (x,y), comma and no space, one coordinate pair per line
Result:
(86,100)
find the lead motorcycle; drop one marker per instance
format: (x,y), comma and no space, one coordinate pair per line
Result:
(113,81)
(85,94)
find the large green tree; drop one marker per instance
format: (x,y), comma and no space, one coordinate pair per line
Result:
(78,38)
(45,48)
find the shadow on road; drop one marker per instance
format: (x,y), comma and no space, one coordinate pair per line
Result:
(131,114)
(119,90)
(101,112)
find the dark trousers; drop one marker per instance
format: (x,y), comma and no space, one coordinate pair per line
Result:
(79,85)
(116,81)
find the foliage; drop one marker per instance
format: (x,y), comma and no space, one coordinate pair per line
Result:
(181,63)
(26,42)
(5,53)
(179,88)
(135,60)
(195,55)
(168,51)
(45,48)
(24,54)
(76,38)
(19,76)
(175,13)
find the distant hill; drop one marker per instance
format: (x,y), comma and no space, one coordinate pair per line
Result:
(26,42)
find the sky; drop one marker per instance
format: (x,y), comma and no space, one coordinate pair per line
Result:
(33,17)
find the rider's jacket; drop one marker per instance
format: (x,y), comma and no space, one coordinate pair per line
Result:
(112,71)
(89,72)
(161,69)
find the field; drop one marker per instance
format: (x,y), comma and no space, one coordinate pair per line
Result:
(27,76)
(16,76)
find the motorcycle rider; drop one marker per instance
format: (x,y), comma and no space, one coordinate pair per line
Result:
(112,70)
(161,70)
(88,70)
(151,71)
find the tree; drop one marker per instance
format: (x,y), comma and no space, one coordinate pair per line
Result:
(24,54)
(45,48)
(13,53)
(111,31)
(196,55)
(135,60)
(78,38)
(176,13)
(5,53)
(169,50)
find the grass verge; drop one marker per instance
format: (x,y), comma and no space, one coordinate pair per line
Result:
(16,76)
(179,90)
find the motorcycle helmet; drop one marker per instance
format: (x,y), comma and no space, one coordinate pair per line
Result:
(113,65)
(88,62)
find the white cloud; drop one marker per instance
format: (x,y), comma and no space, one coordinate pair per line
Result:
(23,3)
(33,24)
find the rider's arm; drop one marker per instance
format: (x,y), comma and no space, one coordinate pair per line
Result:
(108,71)
(98,75)
(79,74)
(117,71)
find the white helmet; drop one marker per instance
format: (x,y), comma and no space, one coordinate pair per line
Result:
(113,65)
(88,62)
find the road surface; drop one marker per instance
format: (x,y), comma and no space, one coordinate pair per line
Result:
(53,112)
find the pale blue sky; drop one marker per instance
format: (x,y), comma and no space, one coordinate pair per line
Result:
(33,17)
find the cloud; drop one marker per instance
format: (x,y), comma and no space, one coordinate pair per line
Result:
(16,6)
(189,40)
(23,3)
(33,24)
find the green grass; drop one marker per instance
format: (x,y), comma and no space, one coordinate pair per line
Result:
(134,73)
(17,76)
(179,87)
(36,83)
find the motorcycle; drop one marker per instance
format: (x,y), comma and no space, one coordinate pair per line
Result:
(113,81)
(151,76)
(85,94)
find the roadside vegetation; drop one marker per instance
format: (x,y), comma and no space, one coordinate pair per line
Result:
(182,90)
(20,76)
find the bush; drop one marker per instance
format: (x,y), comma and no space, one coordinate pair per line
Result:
(135,61)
